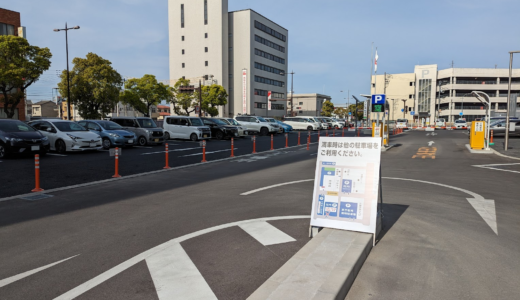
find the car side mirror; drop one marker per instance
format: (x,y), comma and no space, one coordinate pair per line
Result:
(49,129)
(257,121)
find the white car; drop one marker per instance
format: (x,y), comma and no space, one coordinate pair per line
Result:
(401,123)
(336,124)
(180,127)
(67,136)
(460,124)
(275,124)
(300,123)
(323,125)
(440,123)
(257,124)
(312,120)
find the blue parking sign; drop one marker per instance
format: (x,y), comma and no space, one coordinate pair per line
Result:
(378,99)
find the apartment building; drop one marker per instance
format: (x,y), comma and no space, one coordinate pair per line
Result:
(431,93)
(243,51)
(45,109)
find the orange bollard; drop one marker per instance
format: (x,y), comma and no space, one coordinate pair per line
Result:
(116,175)
(232,148)
(327,133)
(167,160)
(358,132)
(334,132)
(286,140)
(491,143)
(343,132)
(272,145)
(254,144)
(37,174)
(204,151)
(299,138)
(308,141)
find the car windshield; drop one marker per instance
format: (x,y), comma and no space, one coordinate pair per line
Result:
(196,122)
(232,122)
(69,126)
(147,123)
(219,122)
(109,125)
(226,121)
(271,120)
(261,119)
(460,121)
(401,121)
(15,127)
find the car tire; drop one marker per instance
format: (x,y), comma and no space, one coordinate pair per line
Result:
(336,127)
(3,151)
(219,135)
(194,137)
(106,143)
(141,141)
(309,128)
(264,131)
(166,136)
(60,146)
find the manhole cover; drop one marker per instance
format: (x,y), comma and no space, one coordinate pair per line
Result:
(37,197)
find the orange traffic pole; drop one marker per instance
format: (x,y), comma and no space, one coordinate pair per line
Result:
(327,133)
(37,173)
(204,151)
(308,140)
(272,145)
(334,132)
(343,132)
(167,159)
(286,140)
(299,138)
(254,144)
(117,164)
(491,143)
(232,147)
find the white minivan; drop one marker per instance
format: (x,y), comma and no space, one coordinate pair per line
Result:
(257,124)
(312,120)
(181,127)
(301,123)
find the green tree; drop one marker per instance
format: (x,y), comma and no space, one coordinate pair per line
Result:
(183,102)
(327,109)
(213,96)
(357,111)
(143,93)
(21,65)
(341,112)
(94,86)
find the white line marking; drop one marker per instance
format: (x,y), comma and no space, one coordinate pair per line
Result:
(175,150)
(208,152)
(491,167)
(143,147)
(175,276)
(12,279)
(54,154)
(266,233)
(274,186)
(81,289)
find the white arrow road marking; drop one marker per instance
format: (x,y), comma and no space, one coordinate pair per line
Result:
(12,279)
(266,233)
(491,167)
(81,289)
(175,276)
(274,186)
(430,143)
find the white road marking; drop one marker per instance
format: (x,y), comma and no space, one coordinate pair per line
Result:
(143,147)
(54,154)
(266,233)
(274,186)
(430,143)
(12,279)
(208,152)
(175,276)
(175,150)
(491,167)
(83,288)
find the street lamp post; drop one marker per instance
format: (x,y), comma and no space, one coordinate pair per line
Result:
(66,29)
(506,140)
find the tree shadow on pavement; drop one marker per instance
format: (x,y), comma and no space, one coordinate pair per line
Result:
(391,214)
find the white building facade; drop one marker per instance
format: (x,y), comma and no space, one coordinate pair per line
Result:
(243,51)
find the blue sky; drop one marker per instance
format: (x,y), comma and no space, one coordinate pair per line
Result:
(329,40)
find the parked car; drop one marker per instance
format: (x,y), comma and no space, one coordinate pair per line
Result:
(144,128)
(499,127)
(180,127)
(67,136)
(112,134)
(336,124)
(275,124)
(391,124)
(300,123)
(18,137)
(402,123)
(256,124)
(460,124)
(286,127)
(319,122)
(327,123)
(440,123)
(242,130)
(220,129)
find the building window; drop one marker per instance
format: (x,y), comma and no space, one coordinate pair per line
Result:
(182,51)
(206,35)
(411,83)
(182,15)
(205,49)
(277,106)
(410,96)
(270,31)
(182,38)
(6,29)
(301,103)
(269,81)
(273,94)
(183,65)
(205,12)
(373,85)
(425,89)
(206,63)
(270,56)
(268,43)
(269,69)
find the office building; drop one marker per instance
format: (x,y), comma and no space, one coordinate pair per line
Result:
(306,104)
(243,51)
(431,93)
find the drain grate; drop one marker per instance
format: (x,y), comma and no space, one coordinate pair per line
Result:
(36,197)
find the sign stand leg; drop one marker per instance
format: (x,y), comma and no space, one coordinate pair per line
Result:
(313,231)
(380,210)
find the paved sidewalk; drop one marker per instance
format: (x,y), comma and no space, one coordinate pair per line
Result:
(513,147)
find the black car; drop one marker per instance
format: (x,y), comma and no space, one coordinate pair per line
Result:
(220,129)
(18,137)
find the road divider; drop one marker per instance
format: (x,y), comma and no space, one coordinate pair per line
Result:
(37,174)
(167,166)
(232,147)
(254,144)
(116,175)
(286,140)
(272,142)
(204,151)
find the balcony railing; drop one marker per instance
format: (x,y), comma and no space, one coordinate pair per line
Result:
(476,82)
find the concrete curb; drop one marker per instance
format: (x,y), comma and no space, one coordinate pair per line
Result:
(478,151)
(503,155)
(323,269)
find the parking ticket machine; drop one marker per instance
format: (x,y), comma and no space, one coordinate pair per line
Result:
(477,135)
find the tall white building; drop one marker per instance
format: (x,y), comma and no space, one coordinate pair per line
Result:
(243,51)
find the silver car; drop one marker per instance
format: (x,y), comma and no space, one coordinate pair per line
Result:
(242,130)
(499,128)
(144,128)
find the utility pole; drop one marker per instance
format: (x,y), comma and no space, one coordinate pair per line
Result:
(404,108)
(200,98)
(292,92)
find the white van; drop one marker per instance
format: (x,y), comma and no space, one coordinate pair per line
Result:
(310,119)
(181,127)
(301,123)
(257,124)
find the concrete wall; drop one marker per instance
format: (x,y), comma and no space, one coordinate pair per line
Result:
(397,89)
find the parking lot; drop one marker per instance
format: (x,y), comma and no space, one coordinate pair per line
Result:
(60,170)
